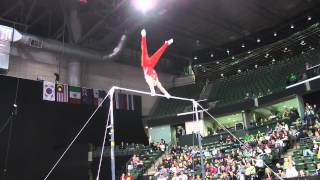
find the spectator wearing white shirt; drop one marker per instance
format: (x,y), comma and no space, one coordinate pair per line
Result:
(291,171)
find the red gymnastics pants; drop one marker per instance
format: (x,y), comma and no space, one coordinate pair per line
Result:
(148,63)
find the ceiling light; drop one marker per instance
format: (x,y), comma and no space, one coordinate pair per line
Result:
(233,57)
(256,66)
(302,43)
(243,45)
(311,48)
(309,18)
(144,5)
(195,58)
(217,62)
(258,40)
(267,55)
(228,52)
(275,34)
(239,70)
(222,75)
(211,55)
(249,52)
(292,26)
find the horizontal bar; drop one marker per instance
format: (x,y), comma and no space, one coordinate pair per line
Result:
(307,80)
(148,93)
(191,112)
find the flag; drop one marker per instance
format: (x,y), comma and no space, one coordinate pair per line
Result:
(95,97)
(48,91)
(130,100)
(102,94)
(74,95)
(87,96)
(62,93)
(123,101)
(117,100)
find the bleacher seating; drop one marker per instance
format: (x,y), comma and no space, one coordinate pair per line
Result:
(306,163)
(259,82)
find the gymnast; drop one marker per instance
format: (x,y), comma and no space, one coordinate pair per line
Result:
(148,64)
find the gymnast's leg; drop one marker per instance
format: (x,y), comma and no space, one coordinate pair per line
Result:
(144,49)
(156,56)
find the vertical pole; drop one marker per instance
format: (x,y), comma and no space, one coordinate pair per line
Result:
(112,143)
(195,108)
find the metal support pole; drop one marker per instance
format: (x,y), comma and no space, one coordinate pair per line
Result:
(112,142)
(195,109)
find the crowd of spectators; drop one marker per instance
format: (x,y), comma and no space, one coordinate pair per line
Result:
(247,161)
(258,156)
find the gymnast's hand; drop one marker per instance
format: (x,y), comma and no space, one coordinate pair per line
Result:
(143,32)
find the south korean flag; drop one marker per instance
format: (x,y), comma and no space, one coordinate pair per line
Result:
(49,91)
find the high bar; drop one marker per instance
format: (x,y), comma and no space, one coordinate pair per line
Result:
(191,112)
(148,93)
(307,80)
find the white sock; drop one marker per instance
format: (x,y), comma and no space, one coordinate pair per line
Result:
(143,32)
(170,41)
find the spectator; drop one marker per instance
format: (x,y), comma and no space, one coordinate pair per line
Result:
(318,169)
(291,171)
(301,173)
(122,146)
(123,177)
(250,171)
(278,169)
(268,174)
(129,176)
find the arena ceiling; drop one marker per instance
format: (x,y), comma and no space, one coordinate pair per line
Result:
(194,24)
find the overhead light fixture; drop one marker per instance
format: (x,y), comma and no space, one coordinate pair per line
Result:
(195,58)
(292,26)
(233,57)
(228,51)
(267,55)
(217,62)
(222,75)
(249,52)
(311,48)
(275,34)
(146,127)
(211,55)
(243,45)
(309,18)
(239,70)
(303,43)
(258,40)
(256,66)
(144,5)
